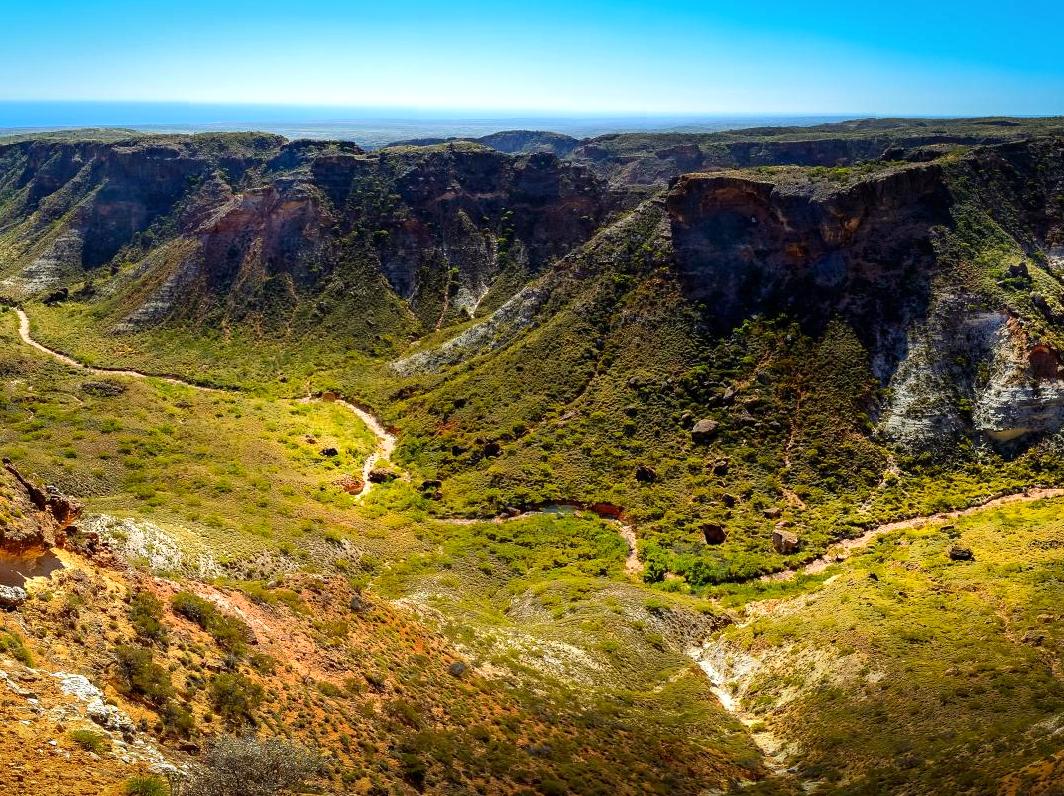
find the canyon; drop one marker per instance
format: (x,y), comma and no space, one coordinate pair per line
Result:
(643,463)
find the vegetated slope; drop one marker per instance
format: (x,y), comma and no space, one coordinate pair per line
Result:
(231,498)
(156,240)
(862,344)
(930,664)
(818,347)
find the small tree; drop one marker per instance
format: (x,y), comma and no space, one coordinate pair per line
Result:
(250,767)
(236,697)
(139,675)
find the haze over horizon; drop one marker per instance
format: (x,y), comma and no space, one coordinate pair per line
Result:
(616,58)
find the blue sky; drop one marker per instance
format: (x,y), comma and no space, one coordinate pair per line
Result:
(576,56)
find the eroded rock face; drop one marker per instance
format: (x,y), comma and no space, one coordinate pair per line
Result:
(984,360)
(1025,392)
(862,252)
(955,359)
(253,224)
(784,541)
(37,517)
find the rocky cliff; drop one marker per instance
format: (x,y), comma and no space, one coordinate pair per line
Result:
(250,225)
(833,323)
(946,272)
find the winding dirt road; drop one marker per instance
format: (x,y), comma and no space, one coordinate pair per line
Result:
(24,333)
(843,549)
(385,440)
(774,757)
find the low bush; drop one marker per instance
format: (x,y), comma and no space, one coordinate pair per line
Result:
(149,785)
(236,698)
(139,676)
(176,721)
(146,614)
(252,767)
(11,643)
(230,633)
(88,740)
(193,608)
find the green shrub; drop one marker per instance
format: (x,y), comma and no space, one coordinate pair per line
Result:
(330,689)
(14,645)
(236,698)
(230,633)
(252,767)
(88,740)
(140,676)
(263,663)
(149,785)
(193,608)
(146,613)
(176,721)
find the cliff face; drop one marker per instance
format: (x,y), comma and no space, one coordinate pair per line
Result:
(467,210)
(72,207)
(947,272)
(814,252)
(252,224)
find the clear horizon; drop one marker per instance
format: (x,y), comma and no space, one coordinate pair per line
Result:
(620,58)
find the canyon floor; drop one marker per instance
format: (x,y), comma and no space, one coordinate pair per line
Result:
(815,679)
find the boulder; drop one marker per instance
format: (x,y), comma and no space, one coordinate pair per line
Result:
(645,474)
(1034,638)
(109,717)
(1043,362)
(492,449)
(772,513)
(350,484)
(704,430)
(1039,302)
(358,603)
(784,541)
(457,669)
(64,508)
(12,597)
(330,451)
(57,296)
(959,553)
(610,510)
(381,475)
(714,533)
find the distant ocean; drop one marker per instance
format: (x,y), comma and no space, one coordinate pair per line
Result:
(369,127)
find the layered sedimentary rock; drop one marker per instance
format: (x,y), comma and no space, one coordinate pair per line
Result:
(899,257)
